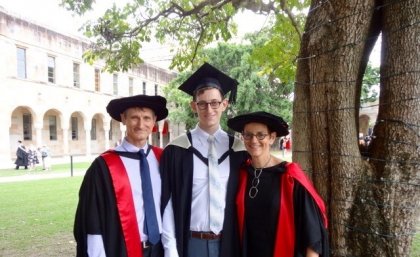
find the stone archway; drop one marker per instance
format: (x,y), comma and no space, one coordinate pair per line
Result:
(77,134)
(22,128)
(115,134)
(97,134)
(52,132)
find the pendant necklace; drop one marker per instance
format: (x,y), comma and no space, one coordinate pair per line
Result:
(253,191)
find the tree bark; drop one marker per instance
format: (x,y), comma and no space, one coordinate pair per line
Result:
(338,38)
(395,150)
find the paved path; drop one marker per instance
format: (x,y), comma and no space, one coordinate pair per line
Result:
(28,177)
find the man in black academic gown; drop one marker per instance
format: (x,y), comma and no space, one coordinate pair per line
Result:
(191,226)
(21,156)
(118,213)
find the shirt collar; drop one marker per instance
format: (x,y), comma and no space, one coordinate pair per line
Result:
(132,148)
(203,135)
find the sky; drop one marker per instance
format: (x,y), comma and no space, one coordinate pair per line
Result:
(50,14)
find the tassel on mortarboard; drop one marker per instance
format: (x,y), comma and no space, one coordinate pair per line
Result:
(232,96)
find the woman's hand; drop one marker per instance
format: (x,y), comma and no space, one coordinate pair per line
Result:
(311,253)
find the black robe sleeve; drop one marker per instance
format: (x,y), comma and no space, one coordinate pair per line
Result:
(176,168)
(230,245)
(310,232)
(97,212)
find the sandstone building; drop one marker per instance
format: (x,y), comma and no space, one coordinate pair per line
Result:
(51,97)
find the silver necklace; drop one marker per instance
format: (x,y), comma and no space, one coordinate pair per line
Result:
(253,191)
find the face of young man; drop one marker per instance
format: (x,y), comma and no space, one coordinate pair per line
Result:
(209,106)
(139,124)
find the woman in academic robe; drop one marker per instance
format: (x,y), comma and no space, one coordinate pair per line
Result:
(280,213)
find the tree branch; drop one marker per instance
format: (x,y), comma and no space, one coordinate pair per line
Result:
(291,17)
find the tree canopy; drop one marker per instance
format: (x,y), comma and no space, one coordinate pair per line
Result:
(370,80)
(265,66)
(256,91)
(118,35)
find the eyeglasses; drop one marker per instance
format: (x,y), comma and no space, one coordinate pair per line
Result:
(202,105)
(249,136)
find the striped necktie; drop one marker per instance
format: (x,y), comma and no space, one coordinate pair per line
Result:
(215,189)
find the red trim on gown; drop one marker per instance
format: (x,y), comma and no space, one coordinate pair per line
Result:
(285,235)
(125,202)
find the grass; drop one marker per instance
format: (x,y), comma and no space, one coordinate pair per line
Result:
(415,246)
(36,217)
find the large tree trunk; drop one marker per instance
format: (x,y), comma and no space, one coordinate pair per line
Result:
(372,198)
(395,150)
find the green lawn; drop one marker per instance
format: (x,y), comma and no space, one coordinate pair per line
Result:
(36,217)
(415,250)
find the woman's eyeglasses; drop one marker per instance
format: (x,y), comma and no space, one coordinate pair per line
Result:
(249,136)
(202,105)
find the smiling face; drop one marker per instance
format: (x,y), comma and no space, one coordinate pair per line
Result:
(258,148)
(139,123)
(209,117)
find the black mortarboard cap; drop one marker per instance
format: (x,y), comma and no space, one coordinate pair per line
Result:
(209,76)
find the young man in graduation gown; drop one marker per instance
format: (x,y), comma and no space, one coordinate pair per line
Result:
(118,213)
(191,225)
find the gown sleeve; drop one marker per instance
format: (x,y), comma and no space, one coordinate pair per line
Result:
(87,215)
(168,223)
(97,213)
(310,232)
(176,172)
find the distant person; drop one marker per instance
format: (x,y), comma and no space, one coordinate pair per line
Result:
(281,141)
(39,156)
(118,213)
(288,144)
(46,159)
(21,156)
(282,146)
(32,157)
(279,211)
(367,140)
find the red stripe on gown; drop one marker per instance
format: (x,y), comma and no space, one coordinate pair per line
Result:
(125,204)
(296,172)
(285,243)
(285,240)
(285,235)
